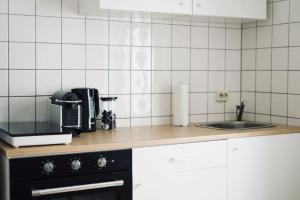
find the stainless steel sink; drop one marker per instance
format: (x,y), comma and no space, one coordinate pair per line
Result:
(240,125)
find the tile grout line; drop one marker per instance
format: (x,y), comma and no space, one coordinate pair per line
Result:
(130,75)
(108,59)
(115,20)
(85,50)
(288,64)
(43,95)
(61,46)
(241,65)
(208,72)
(190,74)
(35,64)
(225,72)
(8,63)
(151,74)
(209,113)
(122,45)
(255,77)
(271,85)
(171,86)
(117,69)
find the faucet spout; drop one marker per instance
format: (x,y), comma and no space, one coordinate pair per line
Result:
(240,111)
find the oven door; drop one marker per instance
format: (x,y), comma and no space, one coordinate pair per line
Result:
(109,186)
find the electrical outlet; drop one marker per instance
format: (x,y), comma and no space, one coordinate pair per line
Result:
(222,96)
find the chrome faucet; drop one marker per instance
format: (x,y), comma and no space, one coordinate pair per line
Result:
(240,111)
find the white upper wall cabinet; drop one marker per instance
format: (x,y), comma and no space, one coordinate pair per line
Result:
(161,6)
(248,9)
(242,9)
(156,6)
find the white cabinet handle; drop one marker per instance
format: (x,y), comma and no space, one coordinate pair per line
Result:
(198,5)
(138,185)
(235,149)
(181,3)
(174,160)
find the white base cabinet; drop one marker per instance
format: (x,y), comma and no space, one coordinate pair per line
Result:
(186,171)
(264,168)
(209,184)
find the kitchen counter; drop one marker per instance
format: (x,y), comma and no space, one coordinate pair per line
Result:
(124,138)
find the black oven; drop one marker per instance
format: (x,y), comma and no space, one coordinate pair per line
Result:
(88,176)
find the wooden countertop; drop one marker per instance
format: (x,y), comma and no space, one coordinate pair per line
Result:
(124,138)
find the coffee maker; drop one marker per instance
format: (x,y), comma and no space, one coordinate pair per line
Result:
(65,111)
(90,107)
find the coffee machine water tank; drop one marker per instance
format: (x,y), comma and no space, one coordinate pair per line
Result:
(90,107)
(65,111)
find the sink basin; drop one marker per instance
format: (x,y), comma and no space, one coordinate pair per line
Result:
(240,125)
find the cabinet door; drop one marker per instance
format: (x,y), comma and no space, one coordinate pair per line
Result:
(162,6)
(209,184)
(180,157)
(264,168)
(252,9)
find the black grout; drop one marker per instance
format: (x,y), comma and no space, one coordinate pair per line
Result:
(85,52)
(61,48)
(255,94)
(209,25)
(171,86)
(35,65)
(8,61)
(271,81)
(151,74)
(288,65)
(288,94)
(208,63)
(130,75)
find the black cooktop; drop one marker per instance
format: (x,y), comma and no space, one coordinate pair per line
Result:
(19,129)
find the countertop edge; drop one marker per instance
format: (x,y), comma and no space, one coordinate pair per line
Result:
(12,153)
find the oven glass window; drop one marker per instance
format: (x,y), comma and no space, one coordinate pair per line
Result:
(111,195)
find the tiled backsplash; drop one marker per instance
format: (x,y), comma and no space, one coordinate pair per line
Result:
(46,46)
(271,65)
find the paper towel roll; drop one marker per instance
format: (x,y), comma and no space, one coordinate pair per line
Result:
(180,105)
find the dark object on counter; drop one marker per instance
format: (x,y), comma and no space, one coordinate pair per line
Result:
(240,111)
(105,99)
(105,175)
(108,118)
(65,111)
(90,107)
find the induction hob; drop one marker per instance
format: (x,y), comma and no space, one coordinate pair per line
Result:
(20,134)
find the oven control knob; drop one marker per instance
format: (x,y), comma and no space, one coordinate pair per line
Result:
(75,165)
(101,162)
(48,167)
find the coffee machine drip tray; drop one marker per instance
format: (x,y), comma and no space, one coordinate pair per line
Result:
(20,134)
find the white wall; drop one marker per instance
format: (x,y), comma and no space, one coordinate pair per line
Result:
(45,46)
(271,65)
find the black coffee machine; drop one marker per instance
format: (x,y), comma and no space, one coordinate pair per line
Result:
(65,111)
(90,107)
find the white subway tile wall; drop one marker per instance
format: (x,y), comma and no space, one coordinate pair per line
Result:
(271,65)
(46,46)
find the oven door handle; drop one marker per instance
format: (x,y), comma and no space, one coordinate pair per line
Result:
(76,188)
